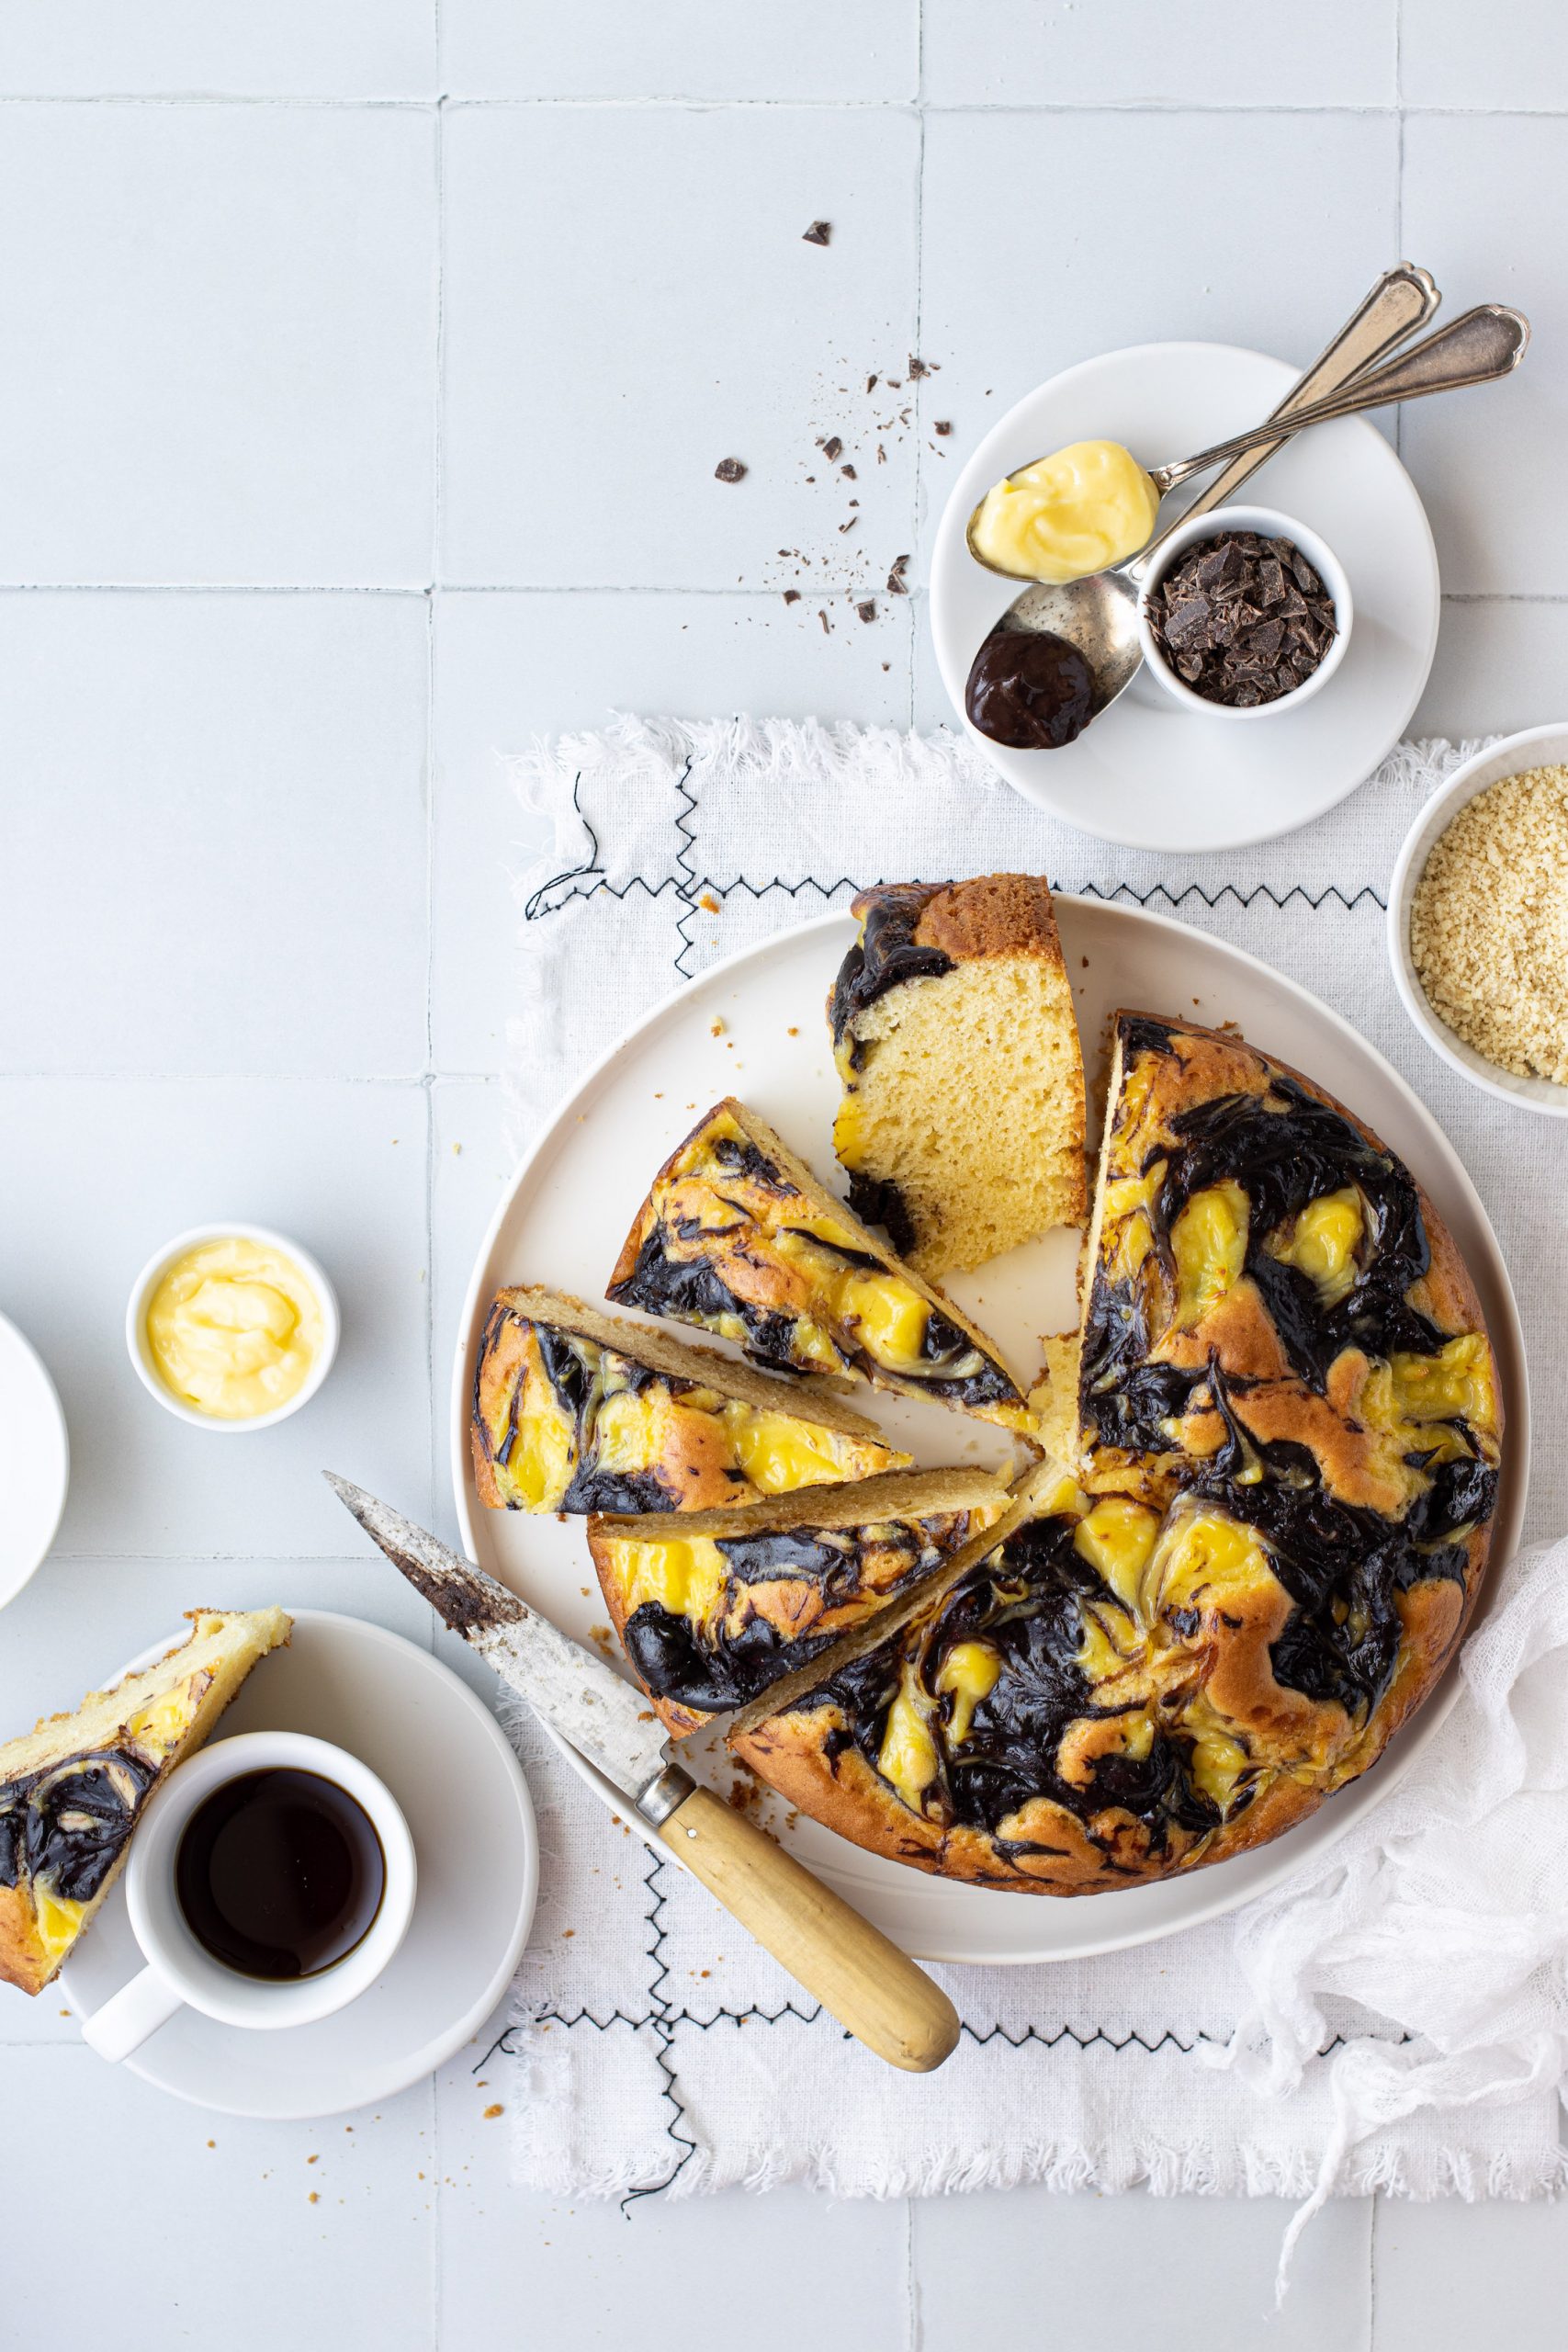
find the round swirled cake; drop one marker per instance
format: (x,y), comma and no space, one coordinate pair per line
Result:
(1280,1430)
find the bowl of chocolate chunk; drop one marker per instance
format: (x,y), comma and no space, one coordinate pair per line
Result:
(1244,613)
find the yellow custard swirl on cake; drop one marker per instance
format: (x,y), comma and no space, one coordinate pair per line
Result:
(234,1327)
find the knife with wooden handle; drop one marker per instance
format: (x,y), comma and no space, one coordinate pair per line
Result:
(873,1988)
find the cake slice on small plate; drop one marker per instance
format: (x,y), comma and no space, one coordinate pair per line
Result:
(962,1123)
(737,1236)
(579,1411)
(72,1790)
(714,1607)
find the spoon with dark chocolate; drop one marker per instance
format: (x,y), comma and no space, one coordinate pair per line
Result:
(1063,652)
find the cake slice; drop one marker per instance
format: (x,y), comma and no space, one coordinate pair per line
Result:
(72,1791)
(737,1236)
(579,1411)
(715,1609)
(962,1123)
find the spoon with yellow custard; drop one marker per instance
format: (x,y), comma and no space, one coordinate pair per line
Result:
(1076,525)
(1092,506)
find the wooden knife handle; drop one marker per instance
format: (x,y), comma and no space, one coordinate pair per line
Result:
(870,1985)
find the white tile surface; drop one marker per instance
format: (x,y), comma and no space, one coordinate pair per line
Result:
(608,341)
(221,322)
(1149,2260)
(1502,664)
(353,49)
(1488,462)
(1207,53)
(686,49)
(781,2271)
(96,1174)
(217,2244)
(241,780)
(1114,279)
(1451,55)
(514,666)
(1451,2275)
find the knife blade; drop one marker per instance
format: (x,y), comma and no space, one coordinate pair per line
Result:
(603,1718)
(868,1983)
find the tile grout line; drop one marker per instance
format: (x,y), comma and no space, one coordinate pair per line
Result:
(671,101)
(919,306)
(438,2232)
(912,2330)
(554,588)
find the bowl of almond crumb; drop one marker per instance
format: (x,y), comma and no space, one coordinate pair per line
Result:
(1478,920)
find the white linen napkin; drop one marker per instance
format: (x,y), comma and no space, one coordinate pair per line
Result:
(1396,2016)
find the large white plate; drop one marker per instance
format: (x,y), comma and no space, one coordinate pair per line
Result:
(452,1768)
(1148,773)
(571,1204)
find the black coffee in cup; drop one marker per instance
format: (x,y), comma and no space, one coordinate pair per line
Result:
(279,1873)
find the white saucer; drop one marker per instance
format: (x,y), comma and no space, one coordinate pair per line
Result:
(1149,774)
(452,1769)
(35,1461)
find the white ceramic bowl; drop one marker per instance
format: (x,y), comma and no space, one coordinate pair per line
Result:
(1273,525)
(1538,747)
(147,1282)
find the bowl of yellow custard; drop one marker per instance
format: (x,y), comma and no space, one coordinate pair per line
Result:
(232,1327)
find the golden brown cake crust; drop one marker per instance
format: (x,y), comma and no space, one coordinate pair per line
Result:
(991,914)
(1272,1398)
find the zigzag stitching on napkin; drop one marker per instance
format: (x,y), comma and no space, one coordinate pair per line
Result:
(686,830)
(757,2015)
(1229,890)
(663,2023)
(687,886)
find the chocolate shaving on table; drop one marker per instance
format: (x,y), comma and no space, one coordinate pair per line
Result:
(868,610)
(729,470)
(1243,619)
(818,233)
(831,448)
(944,424)
(897,585)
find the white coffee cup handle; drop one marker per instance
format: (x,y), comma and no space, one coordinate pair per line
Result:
(137,2010)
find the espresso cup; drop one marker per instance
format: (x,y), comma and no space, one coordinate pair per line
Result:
(181,1972)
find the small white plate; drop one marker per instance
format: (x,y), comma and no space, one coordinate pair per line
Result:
(565,1215)
(1148,773)
(1538,747)
(35,1461)
(452,1769)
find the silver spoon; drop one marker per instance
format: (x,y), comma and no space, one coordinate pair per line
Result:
(1099,614)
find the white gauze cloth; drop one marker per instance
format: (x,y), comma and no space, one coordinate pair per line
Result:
(1395,2016)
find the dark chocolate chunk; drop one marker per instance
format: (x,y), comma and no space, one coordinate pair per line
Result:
(818,233)
(831,448)
(729,470)
(868,610)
